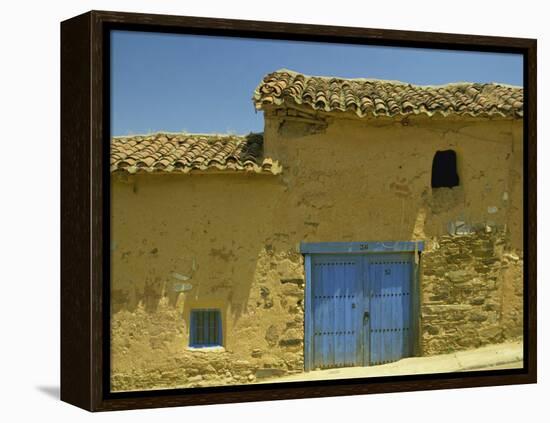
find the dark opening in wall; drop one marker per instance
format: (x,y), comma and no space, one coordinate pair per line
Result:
(444,172)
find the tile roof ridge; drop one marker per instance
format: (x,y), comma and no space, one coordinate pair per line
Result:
(187,134)
(395,82)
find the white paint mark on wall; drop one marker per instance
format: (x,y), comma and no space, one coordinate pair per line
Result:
(459,227)
(180,277)
(492,209)
(182,287)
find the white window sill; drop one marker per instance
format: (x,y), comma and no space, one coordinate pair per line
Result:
(207,349)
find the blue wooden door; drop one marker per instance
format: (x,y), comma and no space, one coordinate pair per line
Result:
(337,301)
(361,309)
(387,289)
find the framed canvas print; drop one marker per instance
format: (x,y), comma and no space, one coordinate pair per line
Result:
(257,210)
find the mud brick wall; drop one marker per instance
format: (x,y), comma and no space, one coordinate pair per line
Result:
(149,342)
(231,240)
(471,292)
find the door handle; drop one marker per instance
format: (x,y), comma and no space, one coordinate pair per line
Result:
(366,315)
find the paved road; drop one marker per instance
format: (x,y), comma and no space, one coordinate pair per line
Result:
(500,356)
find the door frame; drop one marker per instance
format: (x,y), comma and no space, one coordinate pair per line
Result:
(308,249)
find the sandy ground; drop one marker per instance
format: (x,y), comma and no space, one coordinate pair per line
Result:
(500,356)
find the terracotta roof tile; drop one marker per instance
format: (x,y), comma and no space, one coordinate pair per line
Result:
(184,153)
(366,97)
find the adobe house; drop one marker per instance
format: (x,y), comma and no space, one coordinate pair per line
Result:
(371,221)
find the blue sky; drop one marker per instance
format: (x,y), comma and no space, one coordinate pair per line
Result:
(201,84)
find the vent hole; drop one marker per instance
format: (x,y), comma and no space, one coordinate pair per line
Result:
(444,173)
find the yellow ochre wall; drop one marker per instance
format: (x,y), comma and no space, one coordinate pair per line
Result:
(234,238)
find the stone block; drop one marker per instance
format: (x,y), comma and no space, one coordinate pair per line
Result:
(293,290)
(272,335)
(490,260)
(477,300)
(293,281)
(440,297)
(432,330)
(209,369)
(428,271)
(272,362)
(447,308)
(192,371)
(512,256)
(294,333)
(482,269)
(459,276)
(290,342)
(477,316)
(242,365)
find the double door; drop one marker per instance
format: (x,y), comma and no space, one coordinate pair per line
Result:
(360,308)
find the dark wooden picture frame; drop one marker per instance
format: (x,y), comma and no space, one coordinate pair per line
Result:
(85,215)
